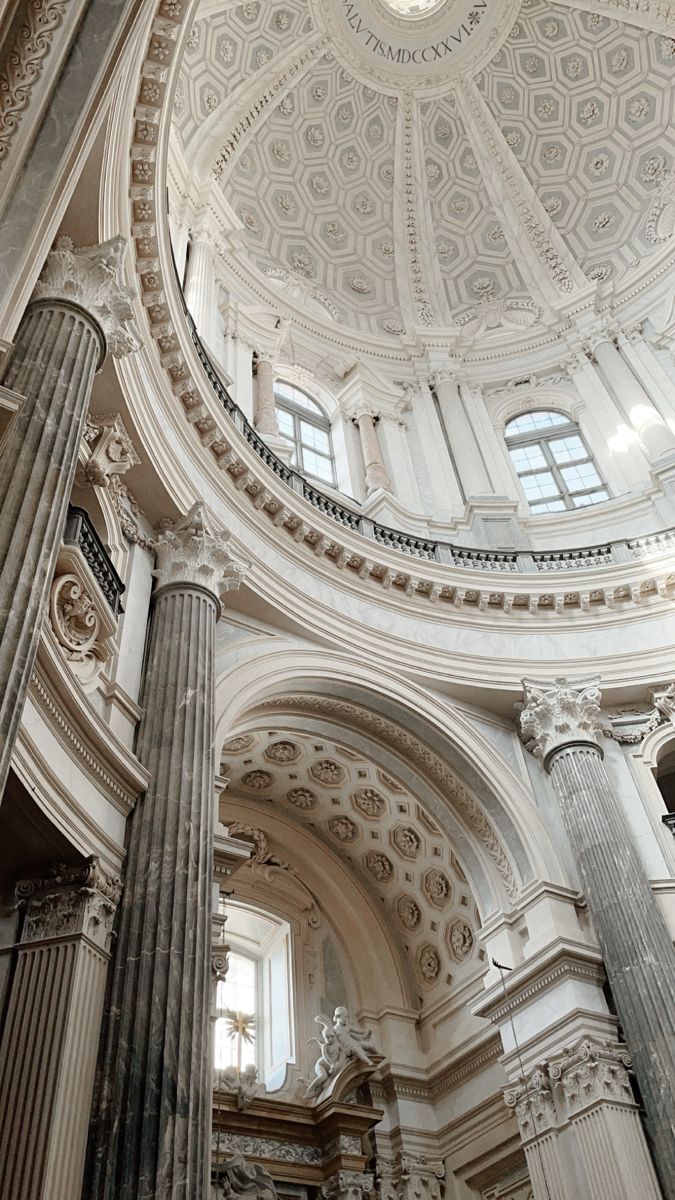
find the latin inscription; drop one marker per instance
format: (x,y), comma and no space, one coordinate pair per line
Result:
(401,55)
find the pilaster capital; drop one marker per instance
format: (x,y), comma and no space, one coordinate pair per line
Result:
(348,1185)
(69,901)
(533,1104)
(361,408)
(195,551)
(91,276)
(593,1072)
(557,714)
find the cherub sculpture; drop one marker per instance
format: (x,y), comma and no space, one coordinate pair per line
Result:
(338,1043)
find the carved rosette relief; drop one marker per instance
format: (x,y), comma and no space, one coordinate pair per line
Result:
(327,771)
(379,866)
(282,752)
(70,901)
(437,887)
(370,803)
(258,780)
(301,797)
(409,912)
(460,940)
(407,841)
(558,714)
(343,829)
(429,962)
(237,745)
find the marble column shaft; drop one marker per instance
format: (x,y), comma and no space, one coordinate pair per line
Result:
(266,421)
(638,953)
(56,354)
(375,470)
(152,1124)
(79,309)
(51,1032)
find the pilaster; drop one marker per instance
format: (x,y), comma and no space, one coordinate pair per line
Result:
(51,1033)
(560,722)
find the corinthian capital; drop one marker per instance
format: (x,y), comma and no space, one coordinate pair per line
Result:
(195,551)
(70,901)
(558,714)
(91,276)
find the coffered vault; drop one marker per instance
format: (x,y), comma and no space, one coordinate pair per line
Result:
(396,197)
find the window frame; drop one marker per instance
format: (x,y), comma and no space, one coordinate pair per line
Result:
(541,437)
(318,419)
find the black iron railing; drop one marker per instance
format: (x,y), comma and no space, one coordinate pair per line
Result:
(80,532)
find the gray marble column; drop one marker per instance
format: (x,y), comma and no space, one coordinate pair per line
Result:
(152,1124)
(79,309)
(561,722)
(377,476)
(266,421)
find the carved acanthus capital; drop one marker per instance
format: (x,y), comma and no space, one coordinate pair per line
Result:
(195,551)
(558,714)
(91,276)
(592,1072)
(112,450)
(533,1104)
(360,409)
(69,901)
(421,1178)
(348,1185)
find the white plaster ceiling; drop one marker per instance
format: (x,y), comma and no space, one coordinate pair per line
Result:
(371,192)
(379,830)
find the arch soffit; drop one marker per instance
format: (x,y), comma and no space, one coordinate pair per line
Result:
(348,910)
(413,726)
(655,744)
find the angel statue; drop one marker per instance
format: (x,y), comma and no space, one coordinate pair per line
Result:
(338,1042)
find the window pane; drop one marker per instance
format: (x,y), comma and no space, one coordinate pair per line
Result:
(527,457)
(287,392)
(548,506)
(568,449)
(235,1036)
(583,475)
(286,423)
(535,420)
(590,498)
(315,464)
(316,438)
(541,484)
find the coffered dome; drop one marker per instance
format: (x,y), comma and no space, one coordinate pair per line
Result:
(391,166)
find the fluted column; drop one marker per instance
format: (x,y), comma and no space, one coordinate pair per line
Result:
(376,473)
(51,1031)
(200,284)
(561,722)
(151,1130)
(79,308)
(643,415)
(266,421)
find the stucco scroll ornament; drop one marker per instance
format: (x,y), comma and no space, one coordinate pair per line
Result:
(91,276)
(661,219)
(24,65)
(339,1042)
(82,622)
(195,551)
(493,314)
(112,450)
(556,714)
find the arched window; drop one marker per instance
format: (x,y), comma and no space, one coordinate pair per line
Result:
(254,1003)
(553,462)
(307,428)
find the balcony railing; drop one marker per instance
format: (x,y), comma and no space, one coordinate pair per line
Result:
(621,551)
(80,532)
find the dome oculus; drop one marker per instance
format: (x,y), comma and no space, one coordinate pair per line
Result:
(423,39)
